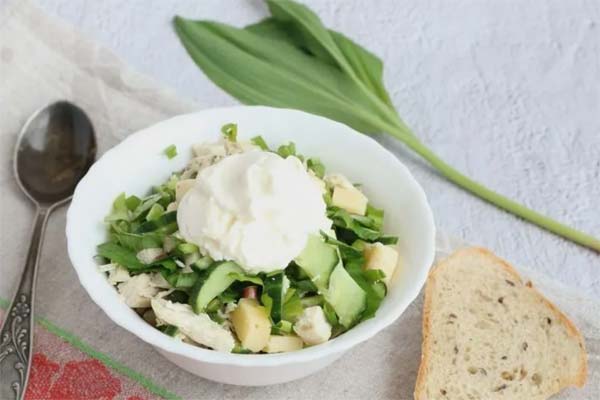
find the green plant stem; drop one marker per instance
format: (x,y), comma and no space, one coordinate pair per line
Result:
(496,199)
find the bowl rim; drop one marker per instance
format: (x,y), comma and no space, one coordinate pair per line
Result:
(149,334)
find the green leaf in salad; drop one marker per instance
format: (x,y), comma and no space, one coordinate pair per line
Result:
(202,263)
(374,275)
(376,217)
(132,202)
(286,150)
(388,240)
(136,242)
(316,166)
(230,132)
(304,286)
(170,330)
(170,151)
(119,211)
(310,301)
(330,314)
(186,280)
(292,306)
(260,142)
(120,255)
(187,248)
(356,224)
(167,223)
(246,278)
(145,205)
(155,212)
(374,294)
(282,328)
(273,287)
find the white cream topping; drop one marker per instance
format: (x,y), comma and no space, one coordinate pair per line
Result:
(255,208)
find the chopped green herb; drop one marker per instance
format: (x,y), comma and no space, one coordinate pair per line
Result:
(315,165)
(156,211)
(230,132)
(286,150)
(170,151)
(260,142)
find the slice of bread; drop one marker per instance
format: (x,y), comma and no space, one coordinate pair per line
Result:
(489,335)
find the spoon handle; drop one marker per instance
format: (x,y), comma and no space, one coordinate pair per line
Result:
(17,330)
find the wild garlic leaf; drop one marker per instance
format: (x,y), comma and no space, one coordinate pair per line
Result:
(277,74)
(304,28)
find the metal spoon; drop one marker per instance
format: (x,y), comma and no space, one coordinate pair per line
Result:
(54,150)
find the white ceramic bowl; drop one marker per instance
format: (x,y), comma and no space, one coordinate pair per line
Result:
(138,163)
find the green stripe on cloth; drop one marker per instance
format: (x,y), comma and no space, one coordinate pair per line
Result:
(104,358)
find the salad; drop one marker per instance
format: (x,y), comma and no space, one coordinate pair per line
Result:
(249,249)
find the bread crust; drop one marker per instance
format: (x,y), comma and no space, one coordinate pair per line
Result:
(581,377)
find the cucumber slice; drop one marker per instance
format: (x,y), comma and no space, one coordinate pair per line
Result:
(211,283)
(345,296)
(273,286)
(318,259)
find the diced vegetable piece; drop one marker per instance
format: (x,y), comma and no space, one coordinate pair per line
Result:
(312,326)
(345,296)
(212,282)
(202,263)
(230,132)
(384,258)
(318,260)
(251,324)
(317,167)
(350,199)
(186,280)
(286,150)
(132,202)
(281,344)
(155,212)
(170,151)
(187,248)
(260,142)
(182,187)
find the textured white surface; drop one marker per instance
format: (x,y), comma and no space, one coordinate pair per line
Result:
(508,91)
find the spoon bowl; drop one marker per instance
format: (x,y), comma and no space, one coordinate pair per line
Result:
(54,150)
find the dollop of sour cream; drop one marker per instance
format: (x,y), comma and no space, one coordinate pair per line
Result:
(255,208)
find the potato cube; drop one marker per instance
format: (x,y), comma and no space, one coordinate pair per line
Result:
(251,324)
(281,344)
(350,199)
(381,257)
(182,187)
